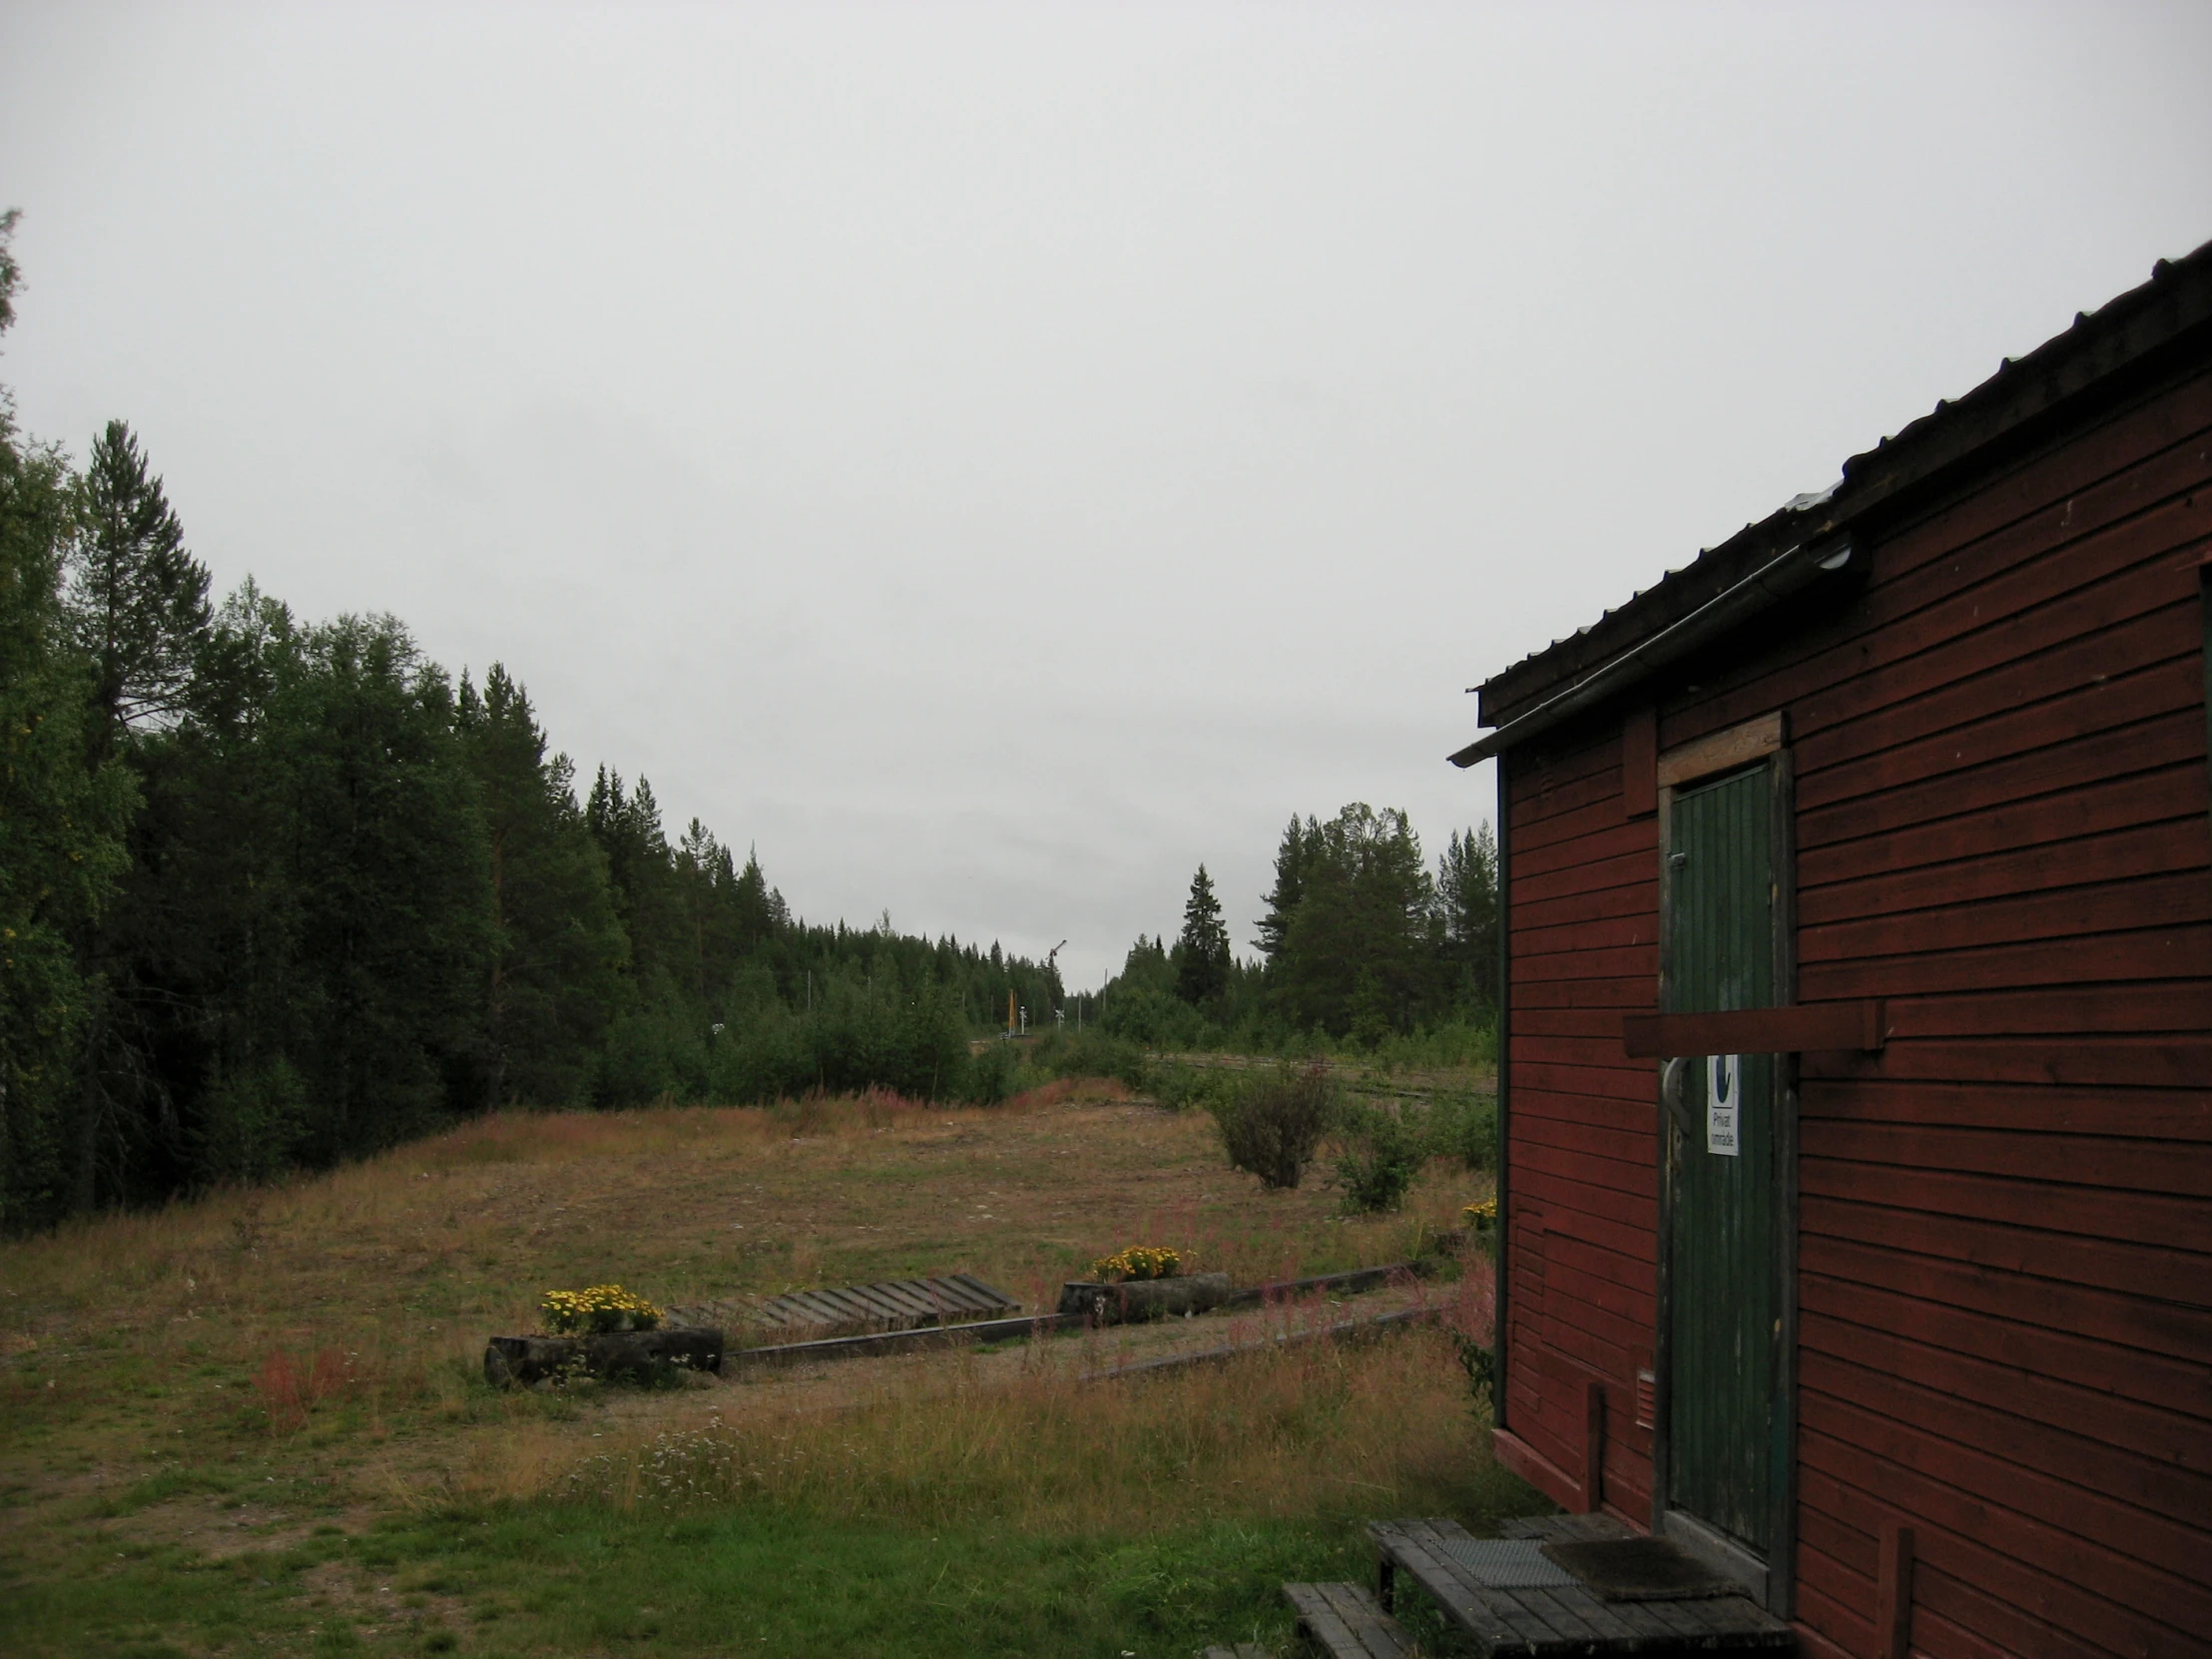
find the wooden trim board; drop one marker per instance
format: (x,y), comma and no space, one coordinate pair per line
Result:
(1640,761)
(1803,1029)
(1725,750)
(1524,1459)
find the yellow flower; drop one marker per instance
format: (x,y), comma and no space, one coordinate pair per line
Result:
(600,1308)
(1139,1262)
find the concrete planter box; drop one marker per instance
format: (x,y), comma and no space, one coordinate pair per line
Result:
(1137,1300)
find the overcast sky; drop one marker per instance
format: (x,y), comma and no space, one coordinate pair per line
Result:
(995,458)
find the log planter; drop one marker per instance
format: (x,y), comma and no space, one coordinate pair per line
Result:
(634,1355)
(1136,1299)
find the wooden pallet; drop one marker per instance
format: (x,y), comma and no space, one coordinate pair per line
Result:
(1347,1622)
(1541,1616)
(891,1304)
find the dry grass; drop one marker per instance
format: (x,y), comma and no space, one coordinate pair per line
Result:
(413,1258)
(255,1362)
(1310,1430)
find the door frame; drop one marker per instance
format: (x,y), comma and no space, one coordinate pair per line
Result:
(1763,742)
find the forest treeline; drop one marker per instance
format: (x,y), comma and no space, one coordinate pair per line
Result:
(278,893)
(1360,944)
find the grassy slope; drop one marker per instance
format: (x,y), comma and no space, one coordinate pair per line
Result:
(151,1502)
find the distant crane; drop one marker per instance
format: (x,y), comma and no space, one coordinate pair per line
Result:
(1048,959)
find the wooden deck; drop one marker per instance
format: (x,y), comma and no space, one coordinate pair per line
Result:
(1515,1601)
(1345,1622)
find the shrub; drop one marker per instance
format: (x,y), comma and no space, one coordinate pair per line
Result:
(1382,1156)
(1138,1261)
(291,1387)
(252,1123)
(600,1309)
(1092,1053)
(1181,1087)
(990,1076)
(1272,1126)
(1464,1127)
(1454,1044)
(1154,1018)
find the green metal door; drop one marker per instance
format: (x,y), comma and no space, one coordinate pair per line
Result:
(1720,900)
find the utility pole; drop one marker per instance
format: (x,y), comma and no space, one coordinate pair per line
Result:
(1050,957)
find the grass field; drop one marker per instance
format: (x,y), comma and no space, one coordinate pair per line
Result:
(256,1422)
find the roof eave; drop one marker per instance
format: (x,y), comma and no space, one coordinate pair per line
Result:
(2123,342)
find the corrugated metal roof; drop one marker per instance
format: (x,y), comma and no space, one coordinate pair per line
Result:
(1823,511)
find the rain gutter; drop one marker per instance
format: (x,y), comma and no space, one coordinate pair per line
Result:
(1785,574)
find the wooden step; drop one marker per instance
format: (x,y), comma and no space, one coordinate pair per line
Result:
(1242,1650)
(1347,1621)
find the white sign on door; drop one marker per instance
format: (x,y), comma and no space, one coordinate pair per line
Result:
(1723,1092)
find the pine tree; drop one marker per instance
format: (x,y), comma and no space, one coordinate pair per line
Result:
(757,907)
(642,869)
(555,969)
(214,983)
(707,896)
(61,824)
(1290,886)
(138,604)
(395,933)
(1466,894)
(1202,965)
(1357,957)
(138,600)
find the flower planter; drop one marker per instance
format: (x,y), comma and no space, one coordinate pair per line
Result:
(1135,1299)
(642,1356)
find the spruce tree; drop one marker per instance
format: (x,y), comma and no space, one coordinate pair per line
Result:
(138,600)
(1202,965)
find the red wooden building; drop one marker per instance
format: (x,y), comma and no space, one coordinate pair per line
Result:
(1857,1084)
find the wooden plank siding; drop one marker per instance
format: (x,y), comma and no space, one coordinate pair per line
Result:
(2005,1251)
(1582,944)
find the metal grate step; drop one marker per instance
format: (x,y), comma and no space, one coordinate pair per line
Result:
(1507,1563)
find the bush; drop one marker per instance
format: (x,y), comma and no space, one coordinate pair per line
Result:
(1382,1156)
(1454,1044)
(252,1123)
(1156,1019)
(1092,1053)
(856,1037)
(1181,1087)
(1272,1126)
(990,1077)
(1463,1127)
